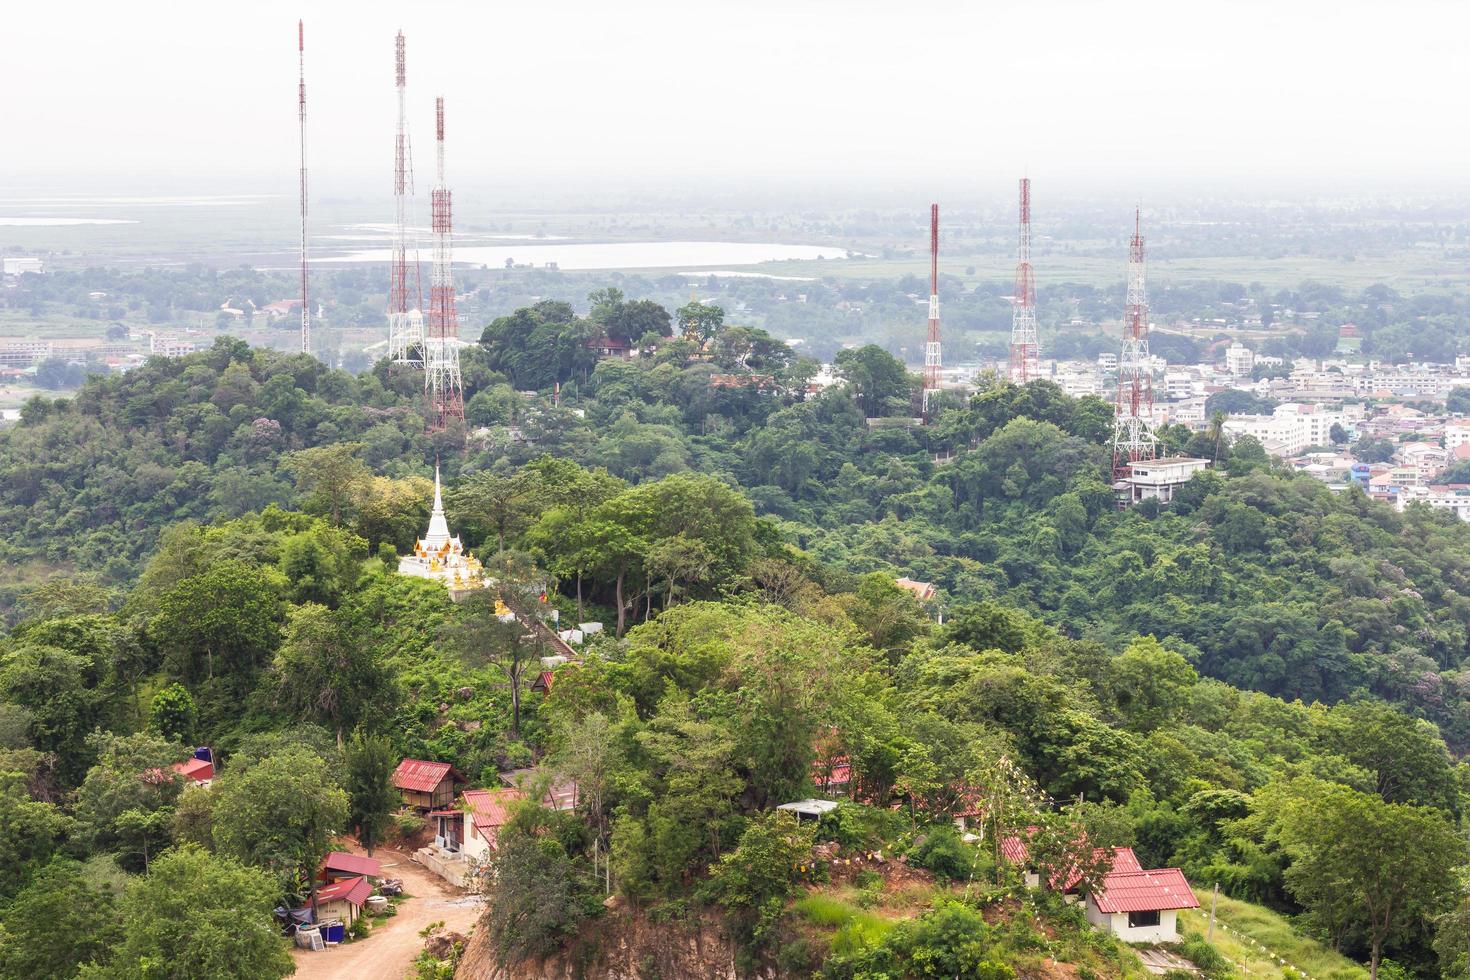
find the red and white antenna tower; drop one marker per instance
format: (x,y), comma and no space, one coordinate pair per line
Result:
(442,381)
(932,359)
(301,113)
(1025,351)
(405,319)
(1133,430)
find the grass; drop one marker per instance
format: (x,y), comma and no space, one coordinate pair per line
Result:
(1254,939)
(855,928)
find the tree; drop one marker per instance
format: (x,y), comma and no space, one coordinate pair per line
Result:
(535,897)
(30,832)
(1374,450)
(198,917)
(879,380)
(281,815)
(51,685)
(372,797)
(700,322)
(482,639)
(56,924)
(1150,684)
(229,612)
(1339,840)
(174,714)
(332,477)
(325,673)
(1406,756)
(756,878)
(126,802)
(496,503)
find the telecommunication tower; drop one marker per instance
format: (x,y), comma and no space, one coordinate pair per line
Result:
(1133,430)
(1025,351)
(932,359)
(301,114)
(405,301)
(442,382)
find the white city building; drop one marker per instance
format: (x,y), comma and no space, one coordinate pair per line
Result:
(1239,359)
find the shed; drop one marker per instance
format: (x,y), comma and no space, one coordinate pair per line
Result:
(342,900)
(809,809)
(427,785)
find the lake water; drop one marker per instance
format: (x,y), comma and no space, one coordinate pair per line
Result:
(614,255)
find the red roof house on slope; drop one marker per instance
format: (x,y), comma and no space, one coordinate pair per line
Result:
(427,785)
(473,827)
(1141,906)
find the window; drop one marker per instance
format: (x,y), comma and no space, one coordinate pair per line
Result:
(1149,918)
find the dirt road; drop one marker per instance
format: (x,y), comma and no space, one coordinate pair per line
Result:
(389,952)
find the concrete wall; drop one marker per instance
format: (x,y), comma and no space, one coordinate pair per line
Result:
(1167,931)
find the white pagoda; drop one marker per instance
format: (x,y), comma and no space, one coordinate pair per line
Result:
(440,556)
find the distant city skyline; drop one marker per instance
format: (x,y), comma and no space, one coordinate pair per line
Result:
(656,96)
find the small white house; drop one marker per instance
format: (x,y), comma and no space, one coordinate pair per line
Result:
(1141,906)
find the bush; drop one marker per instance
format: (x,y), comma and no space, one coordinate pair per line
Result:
(1209,959)
(942,852)
(853,825)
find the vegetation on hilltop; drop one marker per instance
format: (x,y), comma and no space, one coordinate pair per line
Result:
(1228,683)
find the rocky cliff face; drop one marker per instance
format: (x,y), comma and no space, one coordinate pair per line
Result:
(621,945)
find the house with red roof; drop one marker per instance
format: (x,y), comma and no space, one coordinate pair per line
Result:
(343,900)
(471,829)
(1141,906)
(196,771)
(427,785)
(343,864)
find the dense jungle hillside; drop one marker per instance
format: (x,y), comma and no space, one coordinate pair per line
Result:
(1261,684)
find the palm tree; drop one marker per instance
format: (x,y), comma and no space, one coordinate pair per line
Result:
(1217,432)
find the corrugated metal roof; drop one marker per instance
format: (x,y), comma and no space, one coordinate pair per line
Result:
(354,891)
(352,864)
(419,776)
(1145,891)
(489,808)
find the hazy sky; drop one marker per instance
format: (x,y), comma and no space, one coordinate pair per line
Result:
(808,91)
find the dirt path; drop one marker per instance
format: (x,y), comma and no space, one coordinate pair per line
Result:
(389,952)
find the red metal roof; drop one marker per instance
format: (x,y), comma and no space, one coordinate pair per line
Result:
(1145,891)
(353,891)
(543,681)
(198,770)
(352,864)
(489,808)
(419,776)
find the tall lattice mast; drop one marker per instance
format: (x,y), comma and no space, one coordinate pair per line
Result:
(1025,351)
(405,301)
(1133,430)
(442,381)
(932,360)
(301,114)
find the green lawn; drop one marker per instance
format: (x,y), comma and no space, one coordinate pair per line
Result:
(1256,939)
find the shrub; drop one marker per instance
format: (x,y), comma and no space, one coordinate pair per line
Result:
(942,852)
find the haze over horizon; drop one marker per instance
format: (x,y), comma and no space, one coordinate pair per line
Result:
(715,99)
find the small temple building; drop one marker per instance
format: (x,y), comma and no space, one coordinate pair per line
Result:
(440,556)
